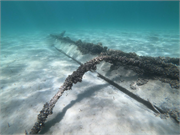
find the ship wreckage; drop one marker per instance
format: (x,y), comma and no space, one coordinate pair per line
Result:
(103,61)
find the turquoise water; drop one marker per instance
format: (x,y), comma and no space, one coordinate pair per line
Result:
(43,15)
(147,28)
(32,70)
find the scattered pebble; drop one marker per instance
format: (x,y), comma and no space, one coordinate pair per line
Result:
(133,86)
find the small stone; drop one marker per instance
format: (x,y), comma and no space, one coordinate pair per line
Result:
(132,86)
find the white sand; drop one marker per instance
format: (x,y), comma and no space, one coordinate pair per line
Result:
(31,73)
(142,42)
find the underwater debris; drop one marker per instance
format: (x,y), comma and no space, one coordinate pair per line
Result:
(141,82)
(75,77)
(90,47)
(148,65)
(133,85)
(62,38)
(159,67)
(140,64)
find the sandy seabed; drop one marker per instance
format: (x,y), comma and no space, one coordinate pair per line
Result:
(32,71)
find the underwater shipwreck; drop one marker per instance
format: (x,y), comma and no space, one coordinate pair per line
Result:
(97,58)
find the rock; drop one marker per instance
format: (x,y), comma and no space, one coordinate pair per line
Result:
(133,86)
(141,82)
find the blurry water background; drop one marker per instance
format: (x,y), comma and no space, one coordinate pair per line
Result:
(147,28)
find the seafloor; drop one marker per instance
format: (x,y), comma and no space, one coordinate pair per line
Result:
(32,71)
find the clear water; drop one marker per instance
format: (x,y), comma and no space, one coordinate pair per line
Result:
(32,71)
(147,28)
